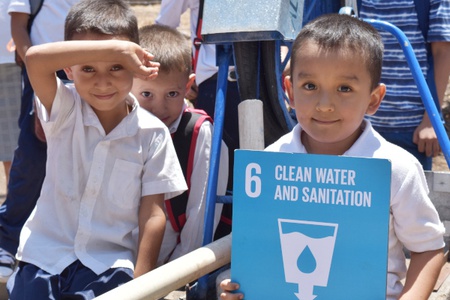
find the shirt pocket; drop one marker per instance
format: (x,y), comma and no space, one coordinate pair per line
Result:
(124,188)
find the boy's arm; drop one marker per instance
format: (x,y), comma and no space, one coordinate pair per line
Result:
(152,222)
(44,60)
(425,135)
(422,274)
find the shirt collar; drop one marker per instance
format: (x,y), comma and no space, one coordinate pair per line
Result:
(174,126)
(129,126)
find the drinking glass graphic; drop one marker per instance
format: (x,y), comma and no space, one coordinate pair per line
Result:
(307,249)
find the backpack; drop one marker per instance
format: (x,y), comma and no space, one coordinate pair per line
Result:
(423,15)
(185,140)
(35,7)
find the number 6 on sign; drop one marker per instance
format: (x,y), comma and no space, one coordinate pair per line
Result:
(252,180)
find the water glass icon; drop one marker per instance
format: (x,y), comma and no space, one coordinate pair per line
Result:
(307,249)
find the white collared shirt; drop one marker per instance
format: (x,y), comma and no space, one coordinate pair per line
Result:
(413,222)
(48,26)
(170,15)
(88,208)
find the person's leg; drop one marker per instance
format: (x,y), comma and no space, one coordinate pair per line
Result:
(26,176)
(83,283)
(31,282)
(405,140)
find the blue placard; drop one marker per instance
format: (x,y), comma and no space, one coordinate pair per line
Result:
(310,226)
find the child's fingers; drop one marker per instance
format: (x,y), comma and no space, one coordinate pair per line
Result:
(229,296)
(147,73)
(227,285)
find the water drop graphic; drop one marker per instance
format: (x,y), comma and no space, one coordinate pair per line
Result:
(306,262)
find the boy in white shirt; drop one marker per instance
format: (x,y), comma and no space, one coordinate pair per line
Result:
(334,82)
(191,131)
(100,217)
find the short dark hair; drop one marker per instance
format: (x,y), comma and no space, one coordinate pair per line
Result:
(333,32)
(169,46)
(109,17)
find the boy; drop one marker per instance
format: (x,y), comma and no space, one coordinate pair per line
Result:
(334,83)
(110,164)
(191,133)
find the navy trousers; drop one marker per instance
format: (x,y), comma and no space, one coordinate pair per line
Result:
(75,282)
(26,175)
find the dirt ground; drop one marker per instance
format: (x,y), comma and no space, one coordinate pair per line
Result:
(147,14)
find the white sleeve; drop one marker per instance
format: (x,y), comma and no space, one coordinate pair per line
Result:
(171,11)
(19,6)
(416,222)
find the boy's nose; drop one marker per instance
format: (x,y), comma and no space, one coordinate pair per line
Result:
(102,81)
(324,103)
(158,105)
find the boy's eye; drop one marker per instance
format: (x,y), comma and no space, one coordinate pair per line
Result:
(146,94)
(172,94)
(116,68)
(309,86)
(87,69)
(345,89)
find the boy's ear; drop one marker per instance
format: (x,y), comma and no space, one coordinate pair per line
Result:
(190,82)
(375,99)
(68,72)
(289,92)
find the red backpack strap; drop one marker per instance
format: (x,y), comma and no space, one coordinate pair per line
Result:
(185,140)
(195,132)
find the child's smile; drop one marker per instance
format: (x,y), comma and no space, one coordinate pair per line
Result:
(330,92)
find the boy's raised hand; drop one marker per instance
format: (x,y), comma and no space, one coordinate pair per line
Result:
(146,67)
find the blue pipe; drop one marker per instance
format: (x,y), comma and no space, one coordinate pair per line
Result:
(421,83)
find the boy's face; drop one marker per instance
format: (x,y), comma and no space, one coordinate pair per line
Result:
(163,96)
(103,85)
(331,93)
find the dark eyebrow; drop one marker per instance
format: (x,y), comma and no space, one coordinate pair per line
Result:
(303,75)
(350,77)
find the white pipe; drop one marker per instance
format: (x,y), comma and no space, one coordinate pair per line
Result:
(175,274)
(251,124)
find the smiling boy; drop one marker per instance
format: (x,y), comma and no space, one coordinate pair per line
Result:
(334,83)
(99,220)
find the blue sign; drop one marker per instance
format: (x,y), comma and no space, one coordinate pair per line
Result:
(310,226)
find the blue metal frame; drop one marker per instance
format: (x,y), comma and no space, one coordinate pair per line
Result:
(224,55)
(421,83)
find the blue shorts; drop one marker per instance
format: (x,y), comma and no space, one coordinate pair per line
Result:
(75,282)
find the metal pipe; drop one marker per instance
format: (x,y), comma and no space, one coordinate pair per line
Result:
(421,83)
(177,273)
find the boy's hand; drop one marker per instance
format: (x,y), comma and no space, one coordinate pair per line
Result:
(147,67)
(227,286)
(426,139)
